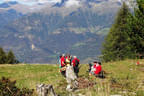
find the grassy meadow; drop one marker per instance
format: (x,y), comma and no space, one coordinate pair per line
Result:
(122,77)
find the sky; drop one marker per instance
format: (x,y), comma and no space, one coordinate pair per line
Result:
(31,2)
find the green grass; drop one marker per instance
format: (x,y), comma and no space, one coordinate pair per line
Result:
(123,77)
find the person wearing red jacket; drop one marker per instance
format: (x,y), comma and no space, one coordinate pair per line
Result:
(62,60)
(96,69)
(62,67)
(75,64)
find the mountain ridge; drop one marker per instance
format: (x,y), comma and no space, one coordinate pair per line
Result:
(40,36)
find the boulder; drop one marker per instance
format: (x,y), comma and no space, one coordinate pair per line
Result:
(71,79)
(45,90)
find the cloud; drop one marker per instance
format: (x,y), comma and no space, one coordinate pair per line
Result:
(42,1)
(72,2)
(31,2)
(27,2)
(48,1)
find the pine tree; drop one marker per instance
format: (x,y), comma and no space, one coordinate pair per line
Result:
(11,58)
(117,44)
(2,56)
(141,5)
(138,28)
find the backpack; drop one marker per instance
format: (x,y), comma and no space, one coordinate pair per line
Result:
(77,63)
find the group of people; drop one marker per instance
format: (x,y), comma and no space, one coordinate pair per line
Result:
(95,67)
(67,60)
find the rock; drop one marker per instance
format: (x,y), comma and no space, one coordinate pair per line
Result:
(71,79)
(69,88)
(45,90)
(70,75)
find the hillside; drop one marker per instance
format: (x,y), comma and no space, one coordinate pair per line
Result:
(52,34)
(8,16)
(38,36)
(123,77)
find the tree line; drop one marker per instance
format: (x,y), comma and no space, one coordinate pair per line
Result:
(7,58)
(125,39)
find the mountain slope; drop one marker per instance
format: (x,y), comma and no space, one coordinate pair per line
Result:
(8,16)
(40,36)
(8,4)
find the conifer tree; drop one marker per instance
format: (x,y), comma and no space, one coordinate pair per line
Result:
(11,58)
(117,44)
(137,34)
(2,56)
(141,5)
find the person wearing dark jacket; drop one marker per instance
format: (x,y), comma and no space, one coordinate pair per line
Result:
(75,64)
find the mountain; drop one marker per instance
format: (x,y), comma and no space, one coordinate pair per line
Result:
(8,4)
(40,36)
(8,16)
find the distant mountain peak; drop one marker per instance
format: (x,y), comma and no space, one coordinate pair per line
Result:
(12,2)
(60,4)
(8,4)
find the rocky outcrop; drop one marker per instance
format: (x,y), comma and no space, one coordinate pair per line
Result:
(45,90)
(71,79)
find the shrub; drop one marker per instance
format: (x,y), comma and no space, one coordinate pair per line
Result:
(8,88)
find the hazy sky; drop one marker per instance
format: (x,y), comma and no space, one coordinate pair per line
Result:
(31,2)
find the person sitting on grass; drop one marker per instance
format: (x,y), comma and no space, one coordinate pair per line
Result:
(96,69)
